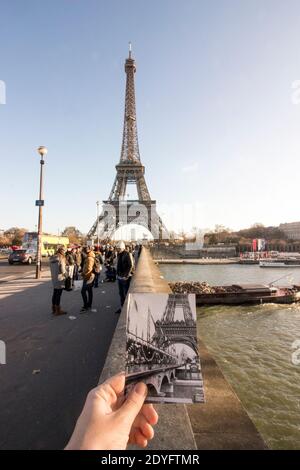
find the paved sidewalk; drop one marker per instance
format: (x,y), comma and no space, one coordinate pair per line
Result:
(52,362)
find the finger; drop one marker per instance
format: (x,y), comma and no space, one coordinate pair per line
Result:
(133,403)
(117,382)
(142,425)
(147,430)
(110,389)
(150,414)
(139,439)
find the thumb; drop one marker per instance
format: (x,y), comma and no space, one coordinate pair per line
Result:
(133,403)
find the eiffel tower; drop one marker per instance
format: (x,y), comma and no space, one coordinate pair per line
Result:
(117,211)
(171,331)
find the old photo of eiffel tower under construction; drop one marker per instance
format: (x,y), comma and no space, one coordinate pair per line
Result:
(161,347)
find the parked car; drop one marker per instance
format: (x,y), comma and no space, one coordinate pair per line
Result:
(22,256)
(5,251)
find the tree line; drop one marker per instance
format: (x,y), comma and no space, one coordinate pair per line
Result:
(14,236)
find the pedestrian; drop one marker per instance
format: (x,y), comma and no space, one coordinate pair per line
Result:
(77,266)
(97,265)
(124,272)
(88,279)
(136,252)
(110,261)
(110,264)
(75,273)
(70,263)
(83,256)
(109,254)
(130,251)
(58,276)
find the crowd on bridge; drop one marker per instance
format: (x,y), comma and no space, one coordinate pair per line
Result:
(81,267)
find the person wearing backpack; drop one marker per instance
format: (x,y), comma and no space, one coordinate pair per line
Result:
(97,266)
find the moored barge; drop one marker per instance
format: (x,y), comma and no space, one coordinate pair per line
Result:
(238,294)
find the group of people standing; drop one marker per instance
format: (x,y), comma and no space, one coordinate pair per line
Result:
(85,263)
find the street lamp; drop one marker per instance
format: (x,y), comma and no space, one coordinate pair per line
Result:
(97,223)
(40,203)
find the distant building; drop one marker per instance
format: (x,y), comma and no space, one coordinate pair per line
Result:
(220,250)
(291,230)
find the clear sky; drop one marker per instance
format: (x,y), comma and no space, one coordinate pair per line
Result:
(218,125)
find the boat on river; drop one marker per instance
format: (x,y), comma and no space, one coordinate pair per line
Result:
(280,263)
(239,294)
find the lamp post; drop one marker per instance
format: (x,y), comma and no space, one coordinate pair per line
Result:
(40,203)
(97,223)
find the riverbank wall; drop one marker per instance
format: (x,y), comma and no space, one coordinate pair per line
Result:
(202,261)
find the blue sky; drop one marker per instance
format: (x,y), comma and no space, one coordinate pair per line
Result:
(216,119)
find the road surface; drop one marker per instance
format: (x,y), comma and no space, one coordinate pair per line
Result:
(52,362)
(15,270)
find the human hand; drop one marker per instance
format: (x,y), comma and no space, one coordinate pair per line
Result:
(109,421)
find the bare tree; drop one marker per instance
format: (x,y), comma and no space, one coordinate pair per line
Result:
(74,235)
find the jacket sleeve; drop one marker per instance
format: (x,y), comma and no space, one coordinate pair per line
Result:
(115,262)
(88,270)
(62,266)
(128,265)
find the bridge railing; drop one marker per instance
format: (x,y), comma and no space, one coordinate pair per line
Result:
(155,370)
(143,342)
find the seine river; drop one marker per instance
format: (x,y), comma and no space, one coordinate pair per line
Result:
(253,346)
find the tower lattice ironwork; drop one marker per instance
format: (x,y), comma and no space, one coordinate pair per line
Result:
(118,211)
(179,301)
(170,330)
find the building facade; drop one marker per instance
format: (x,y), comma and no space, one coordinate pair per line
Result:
(291,230)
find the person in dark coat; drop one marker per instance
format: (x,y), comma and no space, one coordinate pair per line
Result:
(78,259)
(110,264)
(124,272)
(109,255)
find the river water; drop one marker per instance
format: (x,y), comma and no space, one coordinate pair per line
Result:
(253,346)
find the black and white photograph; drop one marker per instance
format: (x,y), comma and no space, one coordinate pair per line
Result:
(162,349)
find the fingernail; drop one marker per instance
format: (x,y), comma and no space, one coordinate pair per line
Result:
(141,389)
